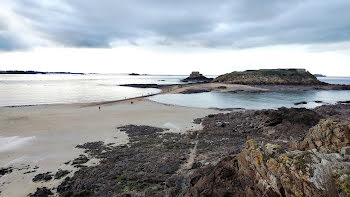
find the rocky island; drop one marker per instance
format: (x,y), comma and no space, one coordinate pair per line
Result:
(270,77)
(195,76)
(264,80)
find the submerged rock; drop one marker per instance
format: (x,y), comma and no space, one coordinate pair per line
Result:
(301,103)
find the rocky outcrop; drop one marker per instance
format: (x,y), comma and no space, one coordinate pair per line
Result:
(194,91)
(4,171)
(41,192)
(242,153)
(328,136)
(265,169)
(294,173)
(196,77)
(270,77)
(43,177)
(146,166)
(219,180)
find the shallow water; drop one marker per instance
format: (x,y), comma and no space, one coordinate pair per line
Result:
(9,143)
(335,80)
(270,100)
(16,90)
(60,88)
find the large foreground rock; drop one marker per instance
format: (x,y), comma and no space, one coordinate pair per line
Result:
(264,169)
(329,136)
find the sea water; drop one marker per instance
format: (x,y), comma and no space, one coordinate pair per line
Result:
(27,89)
(268,100)
(34,89)
(335,80)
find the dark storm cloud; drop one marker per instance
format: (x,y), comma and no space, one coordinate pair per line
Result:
(208,23)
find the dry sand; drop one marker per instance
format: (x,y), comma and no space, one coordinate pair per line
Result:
(47,134)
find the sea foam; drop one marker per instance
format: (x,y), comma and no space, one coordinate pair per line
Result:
(13,142)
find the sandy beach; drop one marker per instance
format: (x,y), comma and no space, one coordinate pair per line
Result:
(39,139)
(217,87)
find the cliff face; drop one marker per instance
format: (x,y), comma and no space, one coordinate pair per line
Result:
(264,169)
(270,77)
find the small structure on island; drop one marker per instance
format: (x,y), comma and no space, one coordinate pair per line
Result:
(196,76)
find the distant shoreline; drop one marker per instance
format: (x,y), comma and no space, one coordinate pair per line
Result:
(12,72)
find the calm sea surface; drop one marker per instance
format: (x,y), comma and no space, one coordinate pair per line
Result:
(335,80)
(37,89)
(60,88)
(270,100)
(259,101)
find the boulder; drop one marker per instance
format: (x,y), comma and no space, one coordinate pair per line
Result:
(329,136)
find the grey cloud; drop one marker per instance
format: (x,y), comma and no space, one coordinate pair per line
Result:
(237,24)
(10,43)
(8,40)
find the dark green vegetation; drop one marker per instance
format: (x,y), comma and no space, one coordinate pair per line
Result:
(270,77)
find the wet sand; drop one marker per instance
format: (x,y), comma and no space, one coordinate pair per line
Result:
(217,87)
(47,134)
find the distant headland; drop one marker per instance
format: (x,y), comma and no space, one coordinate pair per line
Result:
(319,75)
(36,72)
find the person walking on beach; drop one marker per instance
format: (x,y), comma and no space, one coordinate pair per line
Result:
(99,108)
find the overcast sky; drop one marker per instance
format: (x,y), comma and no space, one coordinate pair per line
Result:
(175,37)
